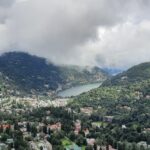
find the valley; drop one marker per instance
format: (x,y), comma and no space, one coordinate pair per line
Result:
(112,114)
(28,89)
(74,74)
(29,74)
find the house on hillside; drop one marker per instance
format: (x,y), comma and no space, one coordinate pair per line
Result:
(77,126)
(90,141)
(87,110)
(5,126)
(55,127)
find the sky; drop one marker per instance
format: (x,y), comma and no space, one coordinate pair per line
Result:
(104,33)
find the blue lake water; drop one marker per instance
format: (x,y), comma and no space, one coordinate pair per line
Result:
(74,91)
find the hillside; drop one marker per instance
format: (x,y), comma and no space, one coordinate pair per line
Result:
(31,73)
(122,112)
(74,75)
(135,74)
(126,97)
(121,108)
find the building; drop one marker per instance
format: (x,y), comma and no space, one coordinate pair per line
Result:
(77,127)
(90,141)
(55,127)
(87,110)
(5,126)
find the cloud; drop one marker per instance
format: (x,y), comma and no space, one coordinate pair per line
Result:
(106,33)
(6,3)
(4,9)
(124,45)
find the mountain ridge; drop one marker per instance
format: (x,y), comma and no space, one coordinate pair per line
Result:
(134,74)
(31,73)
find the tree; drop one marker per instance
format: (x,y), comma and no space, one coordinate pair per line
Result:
(16,127)
(95,146)
(4,137)
(28,127)
(7,131)
(139,129)
(120,146)
(88,148)
(55,141)
(148,138)
(134,146)
(107,146)
(41,148)
(72,136)
(142,147)
(110,140)
(99,141)
(33,131)
(49,131)
(45,129)
(80,140)
(1,129)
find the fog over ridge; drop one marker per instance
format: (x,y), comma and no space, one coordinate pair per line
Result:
(105,33)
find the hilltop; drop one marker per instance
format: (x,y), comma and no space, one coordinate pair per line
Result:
(134,74)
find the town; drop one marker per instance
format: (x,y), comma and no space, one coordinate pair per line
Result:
(38,123)
(20,127)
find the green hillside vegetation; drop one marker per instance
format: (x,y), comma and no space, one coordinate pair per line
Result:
(127,102)
(128,105)
(114,94)
(116,115)
(135,74)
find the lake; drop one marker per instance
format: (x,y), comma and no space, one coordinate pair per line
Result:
(74,91)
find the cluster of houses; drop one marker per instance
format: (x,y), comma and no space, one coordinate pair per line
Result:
(3,128)
(60,102)
(32,102)
(41,144)
(37,143)
(90,141)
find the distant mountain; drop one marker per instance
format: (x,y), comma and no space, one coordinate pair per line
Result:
(113,71)
(135,74)
(31,73)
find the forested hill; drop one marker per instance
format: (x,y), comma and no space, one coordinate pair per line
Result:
(135,74)
(74,75)
(28,72)
(128,106)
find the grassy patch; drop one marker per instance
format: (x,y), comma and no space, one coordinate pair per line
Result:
(99,124)
(66,142)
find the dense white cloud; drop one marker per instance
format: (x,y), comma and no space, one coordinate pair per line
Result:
(108,33)
(123,45)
